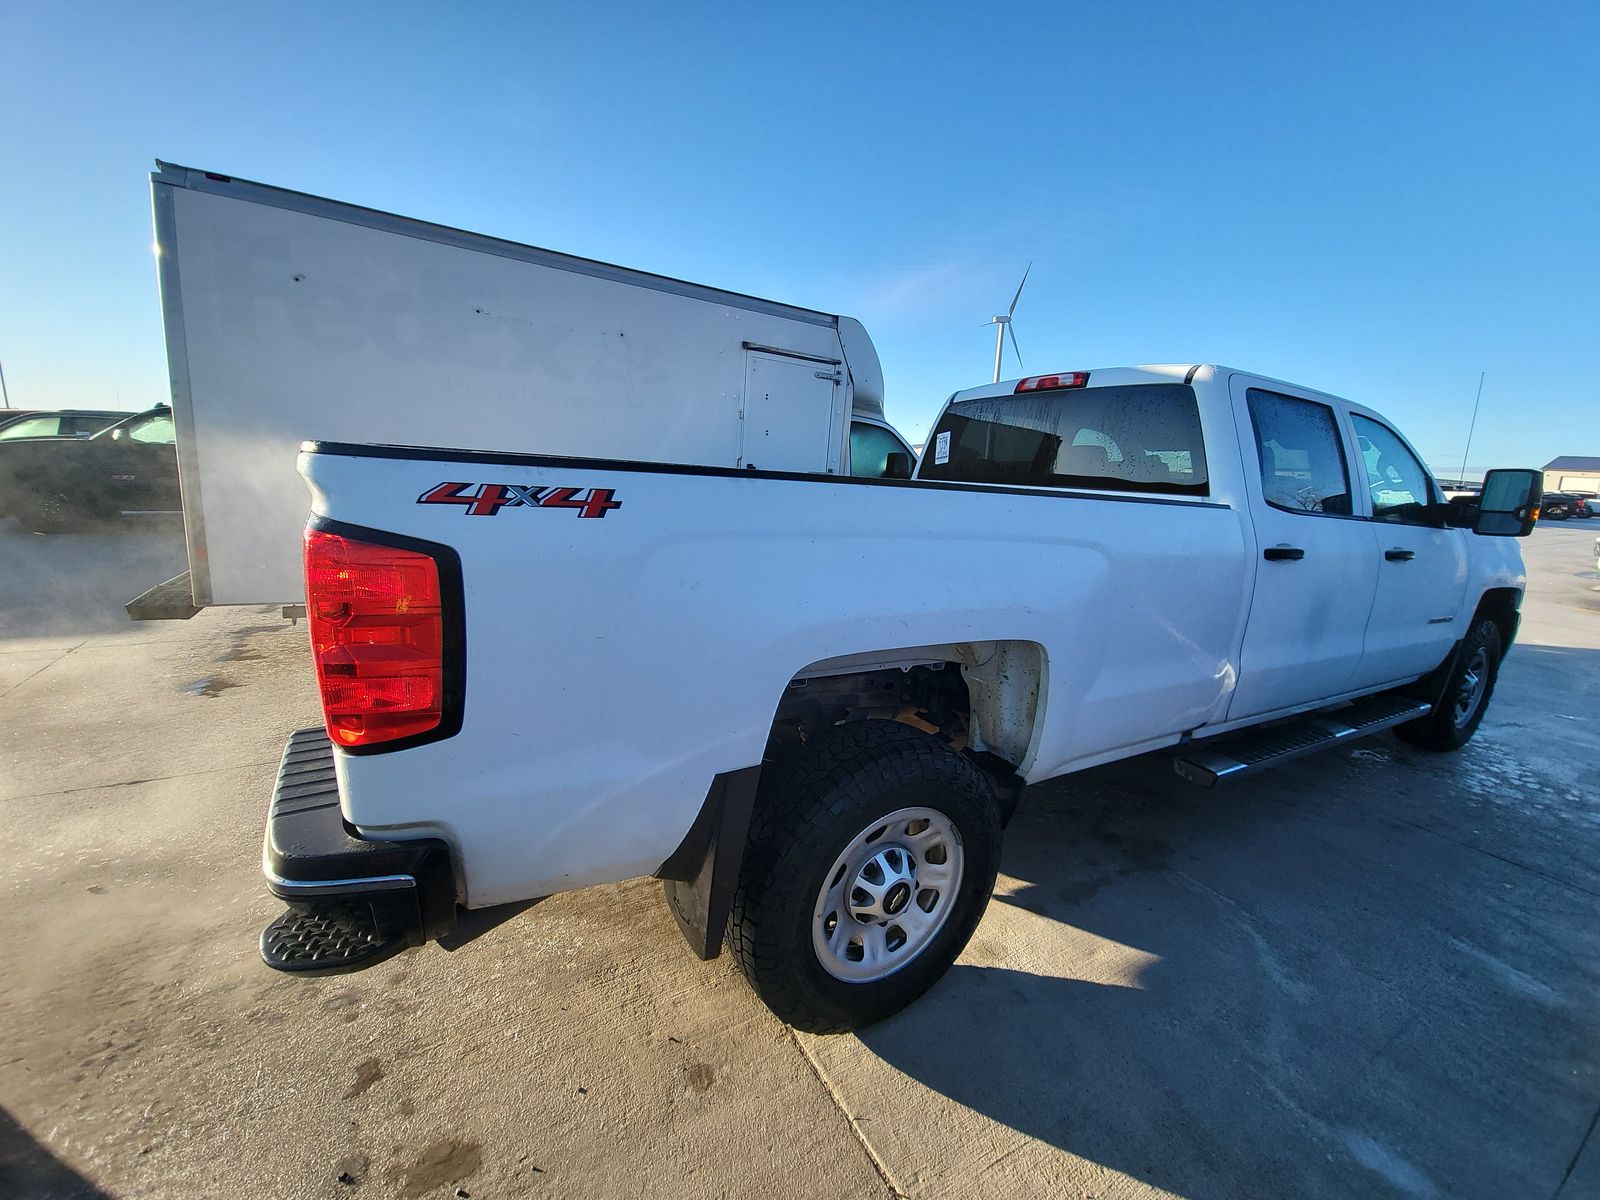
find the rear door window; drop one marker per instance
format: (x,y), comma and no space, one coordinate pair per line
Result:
(1301,454)
(1142,438)
(32,427)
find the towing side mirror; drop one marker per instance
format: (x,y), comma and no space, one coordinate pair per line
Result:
(1509,504)
(897,465)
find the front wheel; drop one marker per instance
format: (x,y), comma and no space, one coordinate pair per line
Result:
(871,857)
(1455,718)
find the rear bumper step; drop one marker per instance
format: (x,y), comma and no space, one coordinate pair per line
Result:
(328,938)
(1209,763)
(353,901)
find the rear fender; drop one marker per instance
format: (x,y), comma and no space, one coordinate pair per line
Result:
(1005,680)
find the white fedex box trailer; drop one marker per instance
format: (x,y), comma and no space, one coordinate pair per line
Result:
(290,318)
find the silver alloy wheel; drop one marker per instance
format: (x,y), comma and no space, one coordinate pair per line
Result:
(888,895)
(1470,694)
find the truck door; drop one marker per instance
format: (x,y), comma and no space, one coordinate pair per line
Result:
(1315,570)
(1422,566)
(792,416)
(142,465)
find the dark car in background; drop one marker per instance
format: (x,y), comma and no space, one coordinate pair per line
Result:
(1591,502)
(1562,506)
(66,422)
(56,484)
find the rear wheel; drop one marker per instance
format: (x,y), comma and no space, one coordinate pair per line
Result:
(1455,718)
(49,512)
(871,858)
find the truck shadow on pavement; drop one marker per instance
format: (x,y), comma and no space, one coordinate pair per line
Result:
(28,1169)
(1275,990)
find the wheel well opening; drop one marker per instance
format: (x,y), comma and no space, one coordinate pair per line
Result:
(930,696)
(1500,605)
(980,698)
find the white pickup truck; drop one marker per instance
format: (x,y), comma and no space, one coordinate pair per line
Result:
(808,702)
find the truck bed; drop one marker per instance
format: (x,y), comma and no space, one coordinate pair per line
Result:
(617,664)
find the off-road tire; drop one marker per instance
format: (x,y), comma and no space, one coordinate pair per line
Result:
(810,807)
(1446,728)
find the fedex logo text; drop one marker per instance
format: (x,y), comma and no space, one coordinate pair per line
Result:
(487,499)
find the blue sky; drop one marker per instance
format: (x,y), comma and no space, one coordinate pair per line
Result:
(1379,200)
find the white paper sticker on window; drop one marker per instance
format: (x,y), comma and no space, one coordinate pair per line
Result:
(941,448)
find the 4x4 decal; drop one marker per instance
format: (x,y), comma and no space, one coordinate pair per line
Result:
(487,499)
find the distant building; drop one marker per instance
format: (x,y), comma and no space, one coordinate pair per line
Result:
(1572,472)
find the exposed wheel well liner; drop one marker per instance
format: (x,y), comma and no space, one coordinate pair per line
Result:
(984,696)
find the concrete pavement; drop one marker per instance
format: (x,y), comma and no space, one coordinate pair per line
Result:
(1373,972)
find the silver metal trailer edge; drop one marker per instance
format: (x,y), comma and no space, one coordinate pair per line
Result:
(290,317)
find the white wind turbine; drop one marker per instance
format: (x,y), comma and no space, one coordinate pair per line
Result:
(1002,326)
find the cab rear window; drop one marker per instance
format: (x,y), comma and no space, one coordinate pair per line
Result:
(1142,438)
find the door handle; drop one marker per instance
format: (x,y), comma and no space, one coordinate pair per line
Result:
(1283,554)
(1399,555)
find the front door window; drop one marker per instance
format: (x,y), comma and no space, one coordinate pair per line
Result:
(156,430)
(1400,486)
(870,447)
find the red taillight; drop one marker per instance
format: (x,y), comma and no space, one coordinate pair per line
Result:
(1049,383)
(377,635)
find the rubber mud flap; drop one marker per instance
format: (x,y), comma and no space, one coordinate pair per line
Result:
(700,877)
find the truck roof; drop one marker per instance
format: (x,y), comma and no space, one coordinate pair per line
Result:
(1098,377)
(1151,373)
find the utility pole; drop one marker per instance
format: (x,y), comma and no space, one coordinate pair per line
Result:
(5,395)
(1462,478)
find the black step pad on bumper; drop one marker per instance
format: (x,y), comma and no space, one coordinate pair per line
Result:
(353,901)
(328,939)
